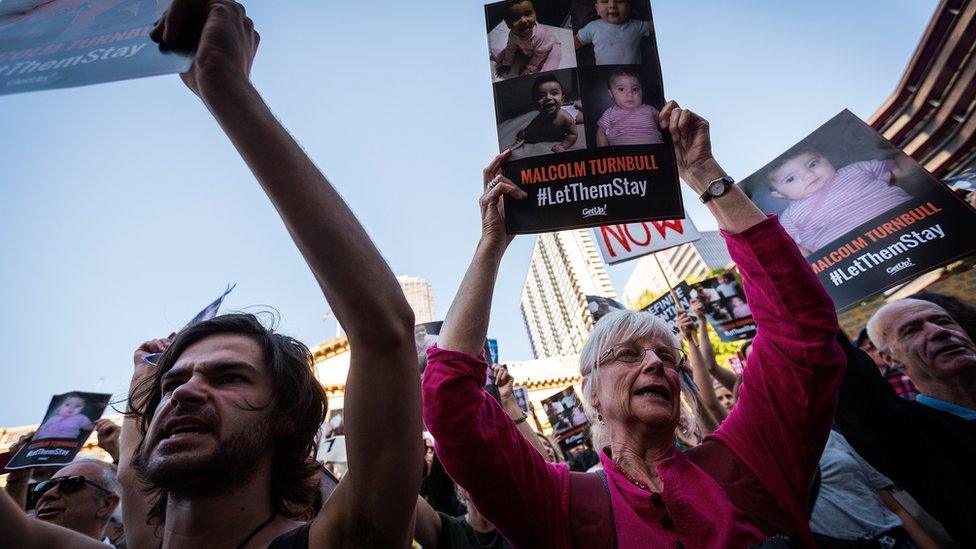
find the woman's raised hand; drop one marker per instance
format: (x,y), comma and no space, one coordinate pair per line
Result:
(493,202)
(692,142)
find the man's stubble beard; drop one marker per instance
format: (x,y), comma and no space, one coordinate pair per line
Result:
(231,465)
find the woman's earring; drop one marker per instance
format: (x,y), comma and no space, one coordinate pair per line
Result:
(599,417)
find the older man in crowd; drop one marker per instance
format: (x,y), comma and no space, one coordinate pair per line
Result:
(81,496)
(927,446)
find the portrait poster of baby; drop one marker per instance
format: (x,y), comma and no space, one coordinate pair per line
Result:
(865,215)
(68,423)
(578,83)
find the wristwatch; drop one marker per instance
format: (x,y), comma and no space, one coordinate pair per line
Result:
(717,188)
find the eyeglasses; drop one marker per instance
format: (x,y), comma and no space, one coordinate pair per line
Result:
(672,357)
(66,485)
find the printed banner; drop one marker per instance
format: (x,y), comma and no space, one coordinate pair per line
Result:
(726,308)
(522,398)
(664,306)
(491,351)
(578,91)
(69,420)
(619,243)
(66,43)
(570,426)
(333,449)
(601,306)
(866,216)
(207,313)
(426,335)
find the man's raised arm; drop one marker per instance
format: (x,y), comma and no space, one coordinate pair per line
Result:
(374,503)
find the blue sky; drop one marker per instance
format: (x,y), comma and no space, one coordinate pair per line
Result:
(124,210)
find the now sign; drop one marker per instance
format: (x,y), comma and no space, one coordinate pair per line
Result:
(623,242)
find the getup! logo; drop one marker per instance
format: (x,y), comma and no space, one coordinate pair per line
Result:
(595,211)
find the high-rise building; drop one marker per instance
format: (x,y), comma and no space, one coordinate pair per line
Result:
(692,260)
(565,267)
(420,296)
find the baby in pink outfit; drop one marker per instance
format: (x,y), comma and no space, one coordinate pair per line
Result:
(526,36)
(69,421)
(628,121)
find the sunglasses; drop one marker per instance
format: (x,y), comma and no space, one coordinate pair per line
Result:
(66,485)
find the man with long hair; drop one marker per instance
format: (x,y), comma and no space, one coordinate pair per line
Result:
(218,445)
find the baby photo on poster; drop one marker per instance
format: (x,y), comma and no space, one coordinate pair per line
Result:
(864,214)
(540,115)
(69,420)
(529,36)
(581,115)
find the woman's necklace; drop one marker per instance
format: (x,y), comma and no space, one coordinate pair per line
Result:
(640,484)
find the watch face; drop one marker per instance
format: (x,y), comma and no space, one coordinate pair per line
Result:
(715,188)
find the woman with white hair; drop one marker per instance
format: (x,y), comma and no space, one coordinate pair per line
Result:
(747,484)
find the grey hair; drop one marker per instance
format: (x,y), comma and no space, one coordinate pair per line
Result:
(109,477)
(615,327)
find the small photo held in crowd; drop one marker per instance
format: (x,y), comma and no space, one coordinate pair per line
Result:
(612,32)
(425,336)
(526,37)
(725,305)
(622,104)
(69,420)
(540,115)
(864,214)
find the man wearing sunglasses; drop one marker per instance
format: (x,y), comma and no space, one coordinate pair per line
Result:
(81,496)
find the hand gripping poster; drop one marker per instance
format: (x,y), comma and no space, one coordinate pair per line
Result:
(69,420)
(865,215)
(578,91)
(48,44)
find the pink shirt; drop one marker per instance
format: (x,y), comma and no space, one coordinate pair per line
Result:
(536,47)
(63,427)
(778,427)
(637,126)
(857,193)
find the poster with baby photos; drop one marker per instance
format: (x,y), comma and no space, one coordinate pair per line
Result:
(570,426)
(865,215)
(48,44)
(69,421)
(726,307)
(578,92)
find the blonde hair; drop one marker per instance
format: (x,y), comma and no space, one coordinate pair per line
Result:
(619,326)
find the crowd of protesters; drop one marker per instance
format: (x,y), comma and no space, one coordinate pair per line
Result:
(819,442)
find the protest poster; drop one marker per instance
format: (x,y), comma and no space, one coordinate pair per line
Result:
(623,242)
(726,308)
(964,185)
(69,420)
(522,398)
(582,122)
(866,216)
(426,335)
(491,351)
(207,313)
(570,426)
(602,306)
(664,306)
(50,44)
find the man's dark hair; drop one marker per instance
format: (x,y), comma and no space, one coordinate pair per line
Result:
(963,313)
(299,408)
(540,80)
